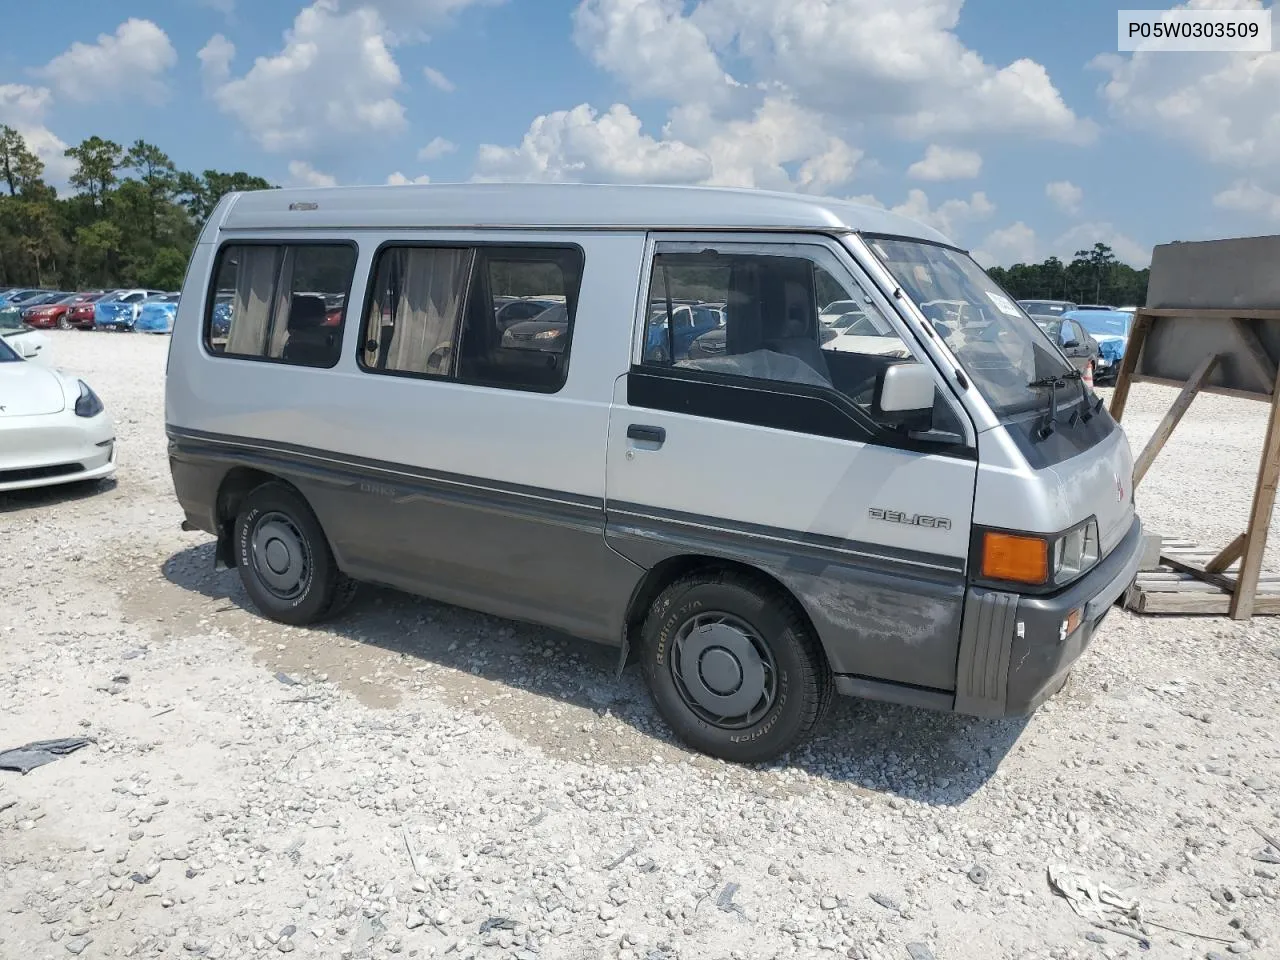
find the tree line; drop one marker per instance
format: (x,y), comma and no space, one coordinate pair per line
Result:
(1094,276)
(132,221)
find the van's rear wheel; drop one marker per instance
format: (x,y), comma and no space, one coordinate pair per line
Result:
(284,559)
(733,667)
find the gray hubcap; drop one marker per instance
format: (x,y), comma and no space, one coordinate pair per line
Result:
(280,555)
(723,670)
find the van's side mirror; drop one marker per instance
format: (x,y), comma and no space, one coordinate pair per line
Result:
(1071,345)
(905,391)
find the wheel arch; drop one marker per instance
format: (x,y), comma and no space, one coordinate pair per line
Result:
(237,483)
(666,572)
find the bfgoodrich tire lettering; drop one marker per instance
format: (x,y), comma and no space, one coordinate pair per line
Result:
(284,559)
(749,639)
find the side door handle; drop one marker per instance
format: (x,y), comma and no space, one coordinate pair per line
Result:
(647,434)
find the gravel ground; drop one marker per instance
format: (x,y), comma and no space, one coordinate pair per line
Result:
(417,780)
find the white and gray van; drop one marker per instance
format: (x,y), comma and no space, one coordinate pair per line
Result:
(660,450)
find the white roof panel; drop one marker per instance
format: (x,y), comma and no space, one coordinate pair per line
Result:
(560,205)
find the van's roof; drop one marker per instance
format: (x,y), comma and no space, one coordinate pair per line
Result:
(562,205)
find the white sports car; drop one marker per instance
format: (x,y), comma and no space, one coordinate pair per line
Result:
(53,428)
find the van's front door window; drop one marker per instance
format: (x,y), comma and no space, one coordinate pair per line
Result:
(790,316)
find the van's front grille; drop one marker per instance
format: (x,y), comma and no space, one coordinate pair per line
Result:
(39,473)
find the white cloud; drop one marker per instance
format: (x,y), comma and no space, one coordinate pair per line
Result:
(438,79)
(1222,106)
(302,174)
(398,179)
(653,47)
(949,217)
(946,163)
(1245,196)
(1064,195)
(1015,243)
(215,60)
(850,59)
(756,152)
(333,81)
(578,144)
(1084,235)
(130,62)
(24,108)
(437,148)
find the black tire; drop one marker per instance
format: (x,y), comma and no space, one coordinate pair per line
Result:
(276,526)
(797,683)
(63,322)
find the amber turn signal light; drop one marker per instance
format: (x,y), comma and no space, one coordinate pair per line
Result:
(1006,556)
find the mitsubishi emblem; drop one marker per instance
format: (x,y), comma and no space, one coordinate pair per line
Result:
(1119,490)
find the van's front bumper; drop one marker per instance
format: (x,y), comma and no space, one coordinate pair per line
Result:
(1016,651)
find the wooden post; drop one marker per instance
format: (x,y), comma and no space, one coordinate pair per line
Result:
(1229,555)
(1171,418)
(1141,324)
(1264,499)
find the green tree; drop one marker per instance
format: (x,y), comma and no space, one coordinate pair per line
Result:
(158,176)
(98,162)
(1097,264)
(200,194)
(98,246)
(164,270)
(20,168)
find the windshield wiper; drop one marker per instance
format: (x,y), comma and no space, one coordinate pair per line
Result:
(1053,383)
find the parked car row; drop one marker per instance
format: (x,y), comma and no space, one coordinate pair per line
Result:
(1089,332)
(141,309)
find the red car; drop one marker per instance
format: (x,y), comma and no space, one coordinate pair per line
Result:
(80,315)
(59,313)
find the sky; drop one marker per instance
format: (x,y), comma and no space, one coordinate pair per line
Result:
(1013,127)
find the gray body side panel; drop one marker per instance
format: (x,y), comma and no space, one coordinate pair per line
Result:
(879,613)
(515,552)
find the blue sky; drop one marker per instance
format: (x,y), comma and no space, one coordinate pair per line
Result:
(1014,127)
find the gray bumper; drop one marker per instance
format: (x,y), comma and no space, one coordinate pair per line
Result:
(1013,651)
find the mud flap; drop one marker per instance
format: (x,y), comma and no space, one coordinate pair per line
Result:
(623,652)
(224,553)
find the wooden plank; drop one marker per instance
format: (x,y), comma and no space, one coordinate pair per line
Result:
(1217,579)
(1172,417)
(1173,576)
(1255,352)
(1232,552)
(1193,585)
(1209,313)
(1264,501)
(1208,388)
(1124,378)
(1213,604)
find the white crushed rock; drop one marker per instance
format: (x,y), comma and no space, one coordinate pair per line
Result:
(225,813)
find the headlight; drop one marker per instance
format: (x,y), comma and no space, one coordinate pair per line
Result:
(1075,551)
(88,404)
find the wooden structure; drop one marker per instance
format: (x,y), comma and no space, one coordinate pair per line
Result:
(1170,587)
(1185,338)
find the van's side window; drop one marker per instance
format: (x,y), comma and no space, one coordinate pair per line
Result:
(415,306)
(283,302)
(782,317)
(519,321)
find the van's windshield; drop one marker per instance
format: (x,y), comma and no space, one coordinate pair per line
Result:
(1000,347)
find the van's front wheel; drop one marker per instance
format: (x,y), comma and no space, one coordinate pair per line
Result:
(733,667)
(284,559)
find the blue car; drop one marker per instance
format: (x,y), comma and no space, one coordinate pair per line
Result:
(157,314)
(1110,328)
(688,323)
(119,309)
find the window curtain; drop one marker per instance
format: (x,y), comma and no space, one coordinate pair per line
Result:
(433,286)
(251,308)
(284,294)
